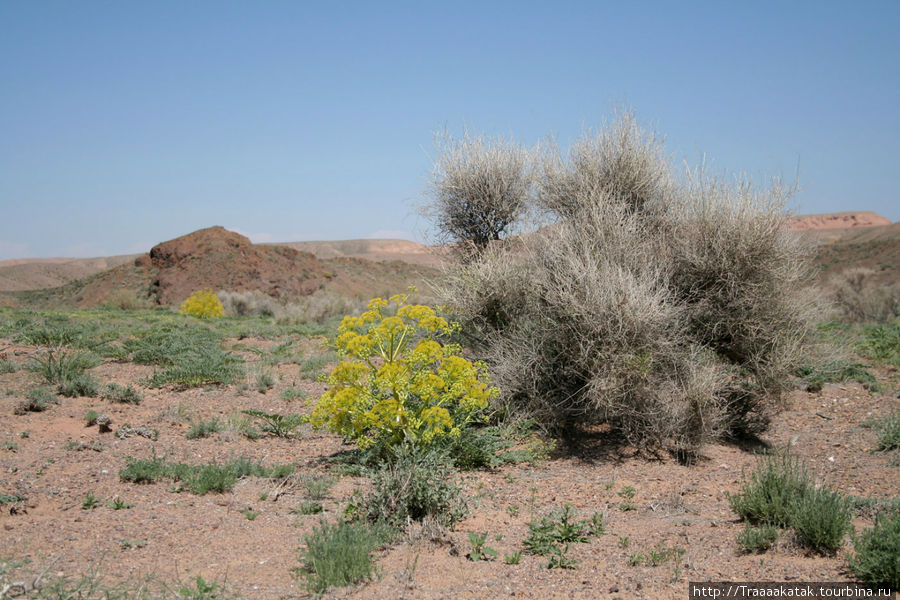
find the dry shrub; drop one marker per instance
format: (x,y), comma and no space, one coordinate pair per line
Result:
(248,304)
(666,307)
(479,190)
(317,307)
(125,299)
(859,297)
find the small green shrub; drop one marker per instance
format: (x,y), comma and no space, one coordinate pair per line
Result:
(560,527)
(877,552)
(889,432)
(317,488)
(90,502)
(340,554)
(60,366)
(278,425)
(122,394)
(882,343)
(821,519)
(756,540)
(311,367)
(479,550)
(835,372)
(80,385)
(203,429)
(415,485)
(293,393)
(7,366)
(118,503)
(37,399)
(90,418)
(307,507)
(265,381)
(769,493)
(197,479)
(203,366)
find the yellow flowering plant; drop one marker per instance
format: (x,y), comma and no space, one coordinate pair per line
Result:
(204,304)
(397,382)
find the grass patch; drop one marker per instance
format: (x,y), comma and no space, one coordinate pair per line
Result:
(756,540)
(877,551)
(122,394)
(203,429)
(81,385)
(340,554)
(293,393)
(199,479)
(881,343)
(821,519)
(889,432)
(551,535)
(37,399)
(59,366)
(277,425)
(767,496)
(7,366)
(312,367)
(835,372)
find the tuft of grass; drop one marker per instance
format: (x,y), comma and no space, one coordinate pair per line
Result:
(7,366)
(771,490)
(278,425)
(414,485)
(90,502)
(293,393)
(90,417)
(835,372)
(756,540)
(122,394)
(821,519)
(317,487)
(881,343)
(249,514)
(877,551)
(37,399)
(265,381)
(203,429)
(59,366)
(312,367)
(80,385)
(307,508)
(339,555)
(889,432)
(199,479)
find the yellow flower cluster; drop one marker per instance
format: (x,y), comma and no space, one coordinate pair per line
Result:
(203,304)
(397,382)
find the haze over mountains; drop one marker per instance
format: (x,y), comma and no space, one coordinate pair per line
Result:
(217,258)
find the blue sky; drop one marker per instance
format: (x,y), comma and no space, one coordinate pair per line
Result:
(123,124)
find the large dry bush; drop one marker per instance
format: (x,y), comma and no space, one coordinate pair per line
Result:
(666,307)
(859,297)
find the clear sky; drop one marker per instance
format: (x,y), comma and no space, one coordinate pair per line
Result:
(123,124)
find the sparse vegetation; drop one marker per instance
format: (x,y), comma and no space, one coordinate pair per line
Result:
(820,518)
(837,371)
(37,399)
(414,485)
(203,429)
(889,432)
(278,425)
(198,479)
(877,551)
(756,540)
(770,492)
(551,535)
(339,554)
(122,394)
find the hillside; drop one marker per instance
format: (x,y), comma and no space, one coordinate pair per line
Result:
(223,260)
(375,250)
(36,273)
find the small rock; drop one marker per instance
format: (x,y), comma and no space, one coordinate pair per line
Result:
(614,589)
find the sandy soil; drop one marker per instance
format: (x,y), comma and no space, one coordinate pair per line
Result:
(175,536)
